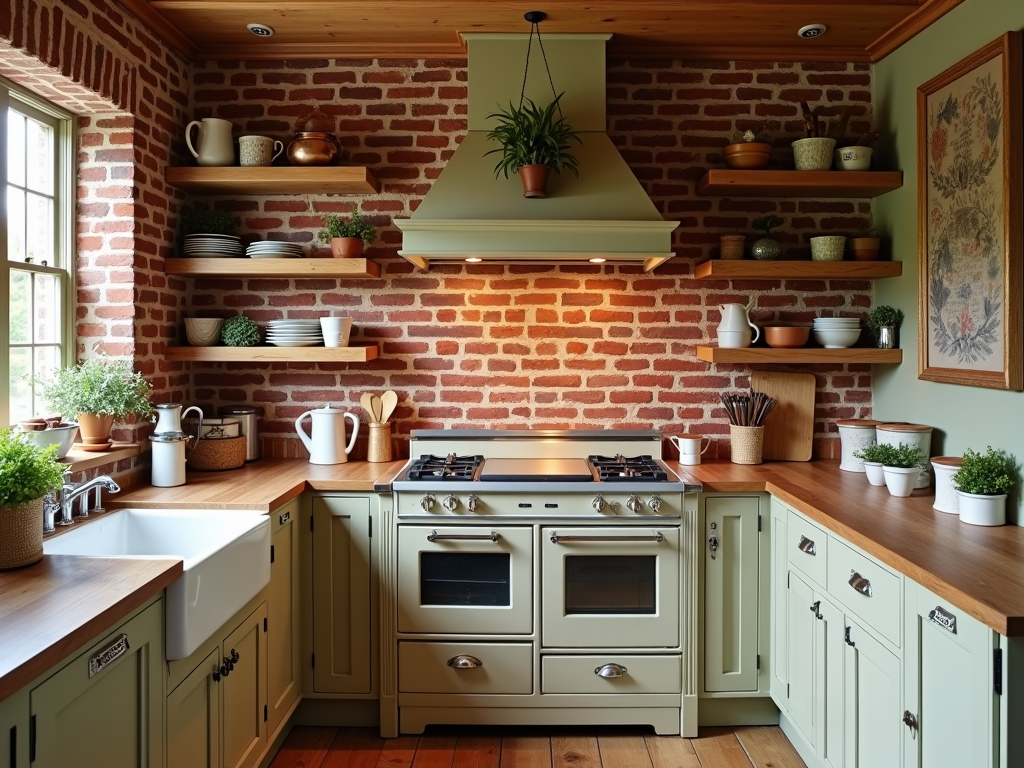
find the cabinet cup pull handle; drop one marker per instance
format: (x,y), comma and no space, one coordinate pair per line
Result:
(860,584)
(435,536)
(807,545)
(610,670)
(464,661)
(108,655)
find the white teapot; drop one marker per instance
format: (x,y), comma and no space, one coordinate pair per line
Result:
(734,329)
(327,444)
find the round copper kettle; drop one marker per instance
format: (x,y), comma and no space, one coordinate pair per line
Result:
(312,148)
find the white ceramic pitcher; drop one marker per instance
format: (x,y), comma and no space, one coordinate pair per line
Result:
(327,444)
(734,329)
(215,147)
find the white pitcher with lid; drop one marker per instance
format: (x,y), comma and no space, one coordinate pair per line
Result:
(734,328)
(327,443)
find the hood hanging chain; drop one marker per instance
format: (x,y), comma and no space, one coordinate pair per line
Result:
(535,27)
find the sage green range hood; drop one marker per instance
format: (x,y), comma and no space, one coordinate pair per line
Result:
(468,214)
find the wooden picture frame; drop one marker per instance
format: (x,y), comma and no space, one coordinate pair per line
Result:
(970,180)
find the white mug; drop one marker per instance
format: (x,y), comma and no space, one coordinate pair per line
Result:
(336,331)
(690,449)
(258,150)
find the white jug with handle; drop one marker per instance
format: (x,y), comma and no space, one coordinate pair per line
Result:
(327,444)
(734,329)
(215,146)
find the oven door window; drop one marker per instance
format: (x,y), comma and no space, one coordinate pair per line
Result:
(468,579)
(622,584)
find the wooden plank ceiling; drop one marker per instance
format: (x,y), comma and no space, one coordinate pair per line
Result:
(858,30)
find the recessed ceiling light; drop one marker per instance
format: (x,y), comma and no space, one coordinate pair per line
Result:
(474,259)
(597,261)
(812,31)
(260,30)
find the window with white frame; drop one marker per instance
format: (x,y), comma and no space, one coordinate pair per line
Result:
(37,217)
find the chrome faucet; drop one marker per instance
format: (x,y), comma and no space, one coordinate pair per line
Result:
(69,492)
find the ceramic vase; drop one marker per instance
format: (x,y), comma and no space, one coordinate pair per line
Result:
(766,249)
(900,480)
(946,494)
(981,509)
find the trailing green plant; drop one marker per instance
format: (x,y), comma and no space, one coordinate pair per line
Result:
(197,220)
(27,472)
(532,135)
(102,385)
(767,223)
(903,456)
(356,226)
(992,473)
(240,331)
(885,316)
(879,453)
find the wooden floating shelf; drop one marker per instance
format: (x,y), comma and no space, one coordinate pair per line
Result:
(271,180)
(357,354)
(801,355)
(351,268)
(781,270)
(726,182)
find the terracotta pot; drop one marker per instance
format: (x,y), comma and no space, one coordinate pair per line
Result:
(21,535)
(748,155)
(865,248)
(535,180)
(346,247)
(94,428)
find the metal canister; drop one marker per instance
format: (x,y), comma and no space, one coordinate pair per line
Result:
(249,416)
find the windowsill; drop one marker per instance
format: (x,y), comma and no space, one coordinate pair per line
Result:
(80,460)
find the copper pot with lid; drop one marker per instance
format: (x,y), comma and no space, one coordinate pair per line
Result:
(314,142)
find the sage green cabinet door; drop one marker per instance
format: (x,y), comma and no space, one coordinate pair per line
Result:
(14,716)
(284,673)
(730,593)
(778,618)
(243,692)
(193,717)
(948,687)
(829,658)
(341,594)
(872,699)
(801,634)
(113,718)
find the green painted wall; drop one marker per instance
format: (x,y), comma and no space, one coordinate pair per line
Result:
(963,417)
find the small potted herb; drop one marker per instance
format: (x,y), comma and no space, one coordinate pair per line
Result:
(750,151)
(27,474)
(901,467)
(767,248)
(874,458)
(240,331)
(982,483)
(885,321)
(347,238)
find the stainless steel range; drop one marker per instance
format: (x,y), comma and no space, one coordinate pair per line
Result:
(545,577)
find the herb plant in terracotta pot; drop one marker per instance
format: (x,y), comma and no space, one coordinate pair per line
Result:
(347,238)
(982,483)
(27,474)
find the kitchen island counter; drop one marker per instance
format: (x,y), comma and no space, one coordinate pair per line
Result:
(977,568)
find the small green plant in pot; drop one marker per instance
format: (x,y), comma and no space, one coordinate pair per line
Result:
(874,458)
(900,467)
(98,392)
(982,483)
(885,322)
(27,474)
(240,331)
(767,248)
(347,238)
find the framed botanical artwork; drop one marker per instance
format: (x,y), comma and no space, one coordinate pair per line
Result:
(970,180)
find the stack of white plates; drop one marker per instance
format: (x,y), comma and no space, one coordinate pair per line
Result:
(294,333)
(836,332)
(213,246)
(273,249)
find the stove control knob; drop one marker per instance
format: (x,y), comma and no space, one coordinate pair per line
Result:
(427,502)
(655,504)
(633,504)
(471,502)
(450,503)
(601,506)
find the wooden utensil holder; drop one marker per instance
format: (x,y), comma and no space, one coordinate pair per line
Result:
(378,444)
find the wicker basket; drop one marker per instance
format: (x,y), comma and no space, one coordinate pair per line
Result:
(21,535)
(212,455)
(746,444)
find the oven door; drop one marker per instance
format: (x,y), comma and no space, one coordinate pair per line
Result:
(610,587)
(465,580)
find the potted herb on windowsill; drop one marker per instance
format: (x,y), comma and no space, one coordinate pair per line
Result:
(874,458)
(347,238)
(982,483)
(27,474)
(885,322)
(901,468)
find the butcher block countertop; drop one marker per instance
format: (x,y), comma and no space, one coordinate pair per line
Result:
(979,569)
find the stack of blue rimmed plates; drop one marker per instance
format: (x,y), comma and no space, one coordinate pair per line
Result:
(273,249)
(213,246)
(294,333)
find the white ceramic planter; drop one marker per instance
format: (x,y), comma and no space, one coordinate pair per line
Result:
(917,435)
(873,470)
(900,480)
(946,499)
(978,509)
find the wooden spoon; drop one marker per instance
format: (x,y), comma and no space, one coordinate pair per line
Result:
(376,406)
(389,400)
(366,401)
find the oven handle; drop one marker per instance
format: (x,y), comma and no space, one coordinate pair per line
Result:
(556,539)
(435,536)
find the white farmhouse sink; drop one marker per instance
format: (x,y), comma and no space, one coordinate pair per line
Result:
(226,554)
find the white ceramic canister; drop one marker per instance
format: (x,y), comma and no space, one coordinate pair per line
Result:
(855,435)
(910,434)
(946,498)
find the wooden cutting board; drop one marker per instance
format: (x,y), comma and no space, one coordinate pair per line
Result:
(789,428)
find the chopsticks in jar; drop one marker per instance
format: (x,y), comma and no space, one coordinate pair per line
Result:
(749,410)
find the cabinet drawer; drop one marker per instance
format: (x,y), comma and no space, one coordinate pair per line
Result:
(503,668)
(807,547)
(641,674)
(881,609)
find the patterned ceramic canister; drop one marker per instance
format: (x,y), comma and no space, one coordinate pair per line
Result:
(855,435)
(258,150)
(910,434)
(828,248)
(813,154)
(946,498)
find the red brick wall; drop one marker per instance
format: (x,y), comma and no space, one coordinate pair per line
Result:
(482,346)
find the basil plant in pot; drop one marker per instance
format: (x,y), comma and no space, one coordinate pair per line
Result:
(27,474)
(100,390)
(347,238)
(982,483)
(900,468)
(875,457)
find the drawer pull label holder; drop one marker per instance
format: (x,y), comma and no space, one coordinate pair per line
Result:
(943,618)
(108,655)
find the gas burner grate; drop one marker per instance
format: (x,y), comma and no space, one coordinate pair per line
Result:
(450,467)
(620,469)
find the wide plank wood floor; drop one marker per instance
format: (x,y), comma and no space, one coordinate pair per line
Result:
(481,747)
